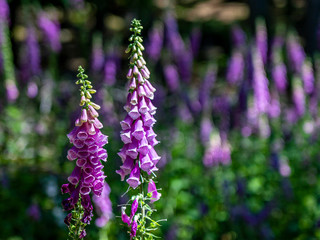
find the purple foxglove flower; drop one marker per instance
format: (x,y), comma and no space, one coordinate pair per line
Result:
(205,130)
(296,54)
(238,36)
(110,70)
(184,63)
(206,87)
(87,151)
(195,41)
(279,75)
(4,11)
(284,169)
(307,77)
(235,70)
(134,227)
(182,55)
(103,206)
(274,107)
(30,58)
(134,208)
(217,152)
(83,234)
(51,31)
(155,195)
(262,40)
(125,218)
(97,55)
(175,41)
(138,153)
(260,86)
(171,77)
(12,91)
(155,42)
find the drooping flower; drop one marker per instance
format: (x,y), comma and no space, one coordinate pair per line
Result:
(103,205)
(131,221)
(138,153)
(152,189)
(110,69)
(87,151)
(51,31)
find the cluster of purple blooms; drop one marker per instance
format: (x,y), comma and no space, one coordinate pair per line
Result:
(138,153)
(137,134)
(87,151)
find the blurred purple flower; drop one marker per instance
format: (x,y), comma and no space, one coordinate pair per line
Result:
(298,97)
(260,86)
(184,62)
(51,31)
(103,206)
(30,62)
(238,36)
(217,152)
(4,11)
(307,77)
(262,40)
(33,212)
(274,109)
(235,70)
(97,55)
(155,42)
(182,55)
(195,41)
(284,169)
(12,91)
(206,87)
(172,77)
(205,130)
(295,53)
(279,75)
(175,42)
(110,70)
(32,90)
